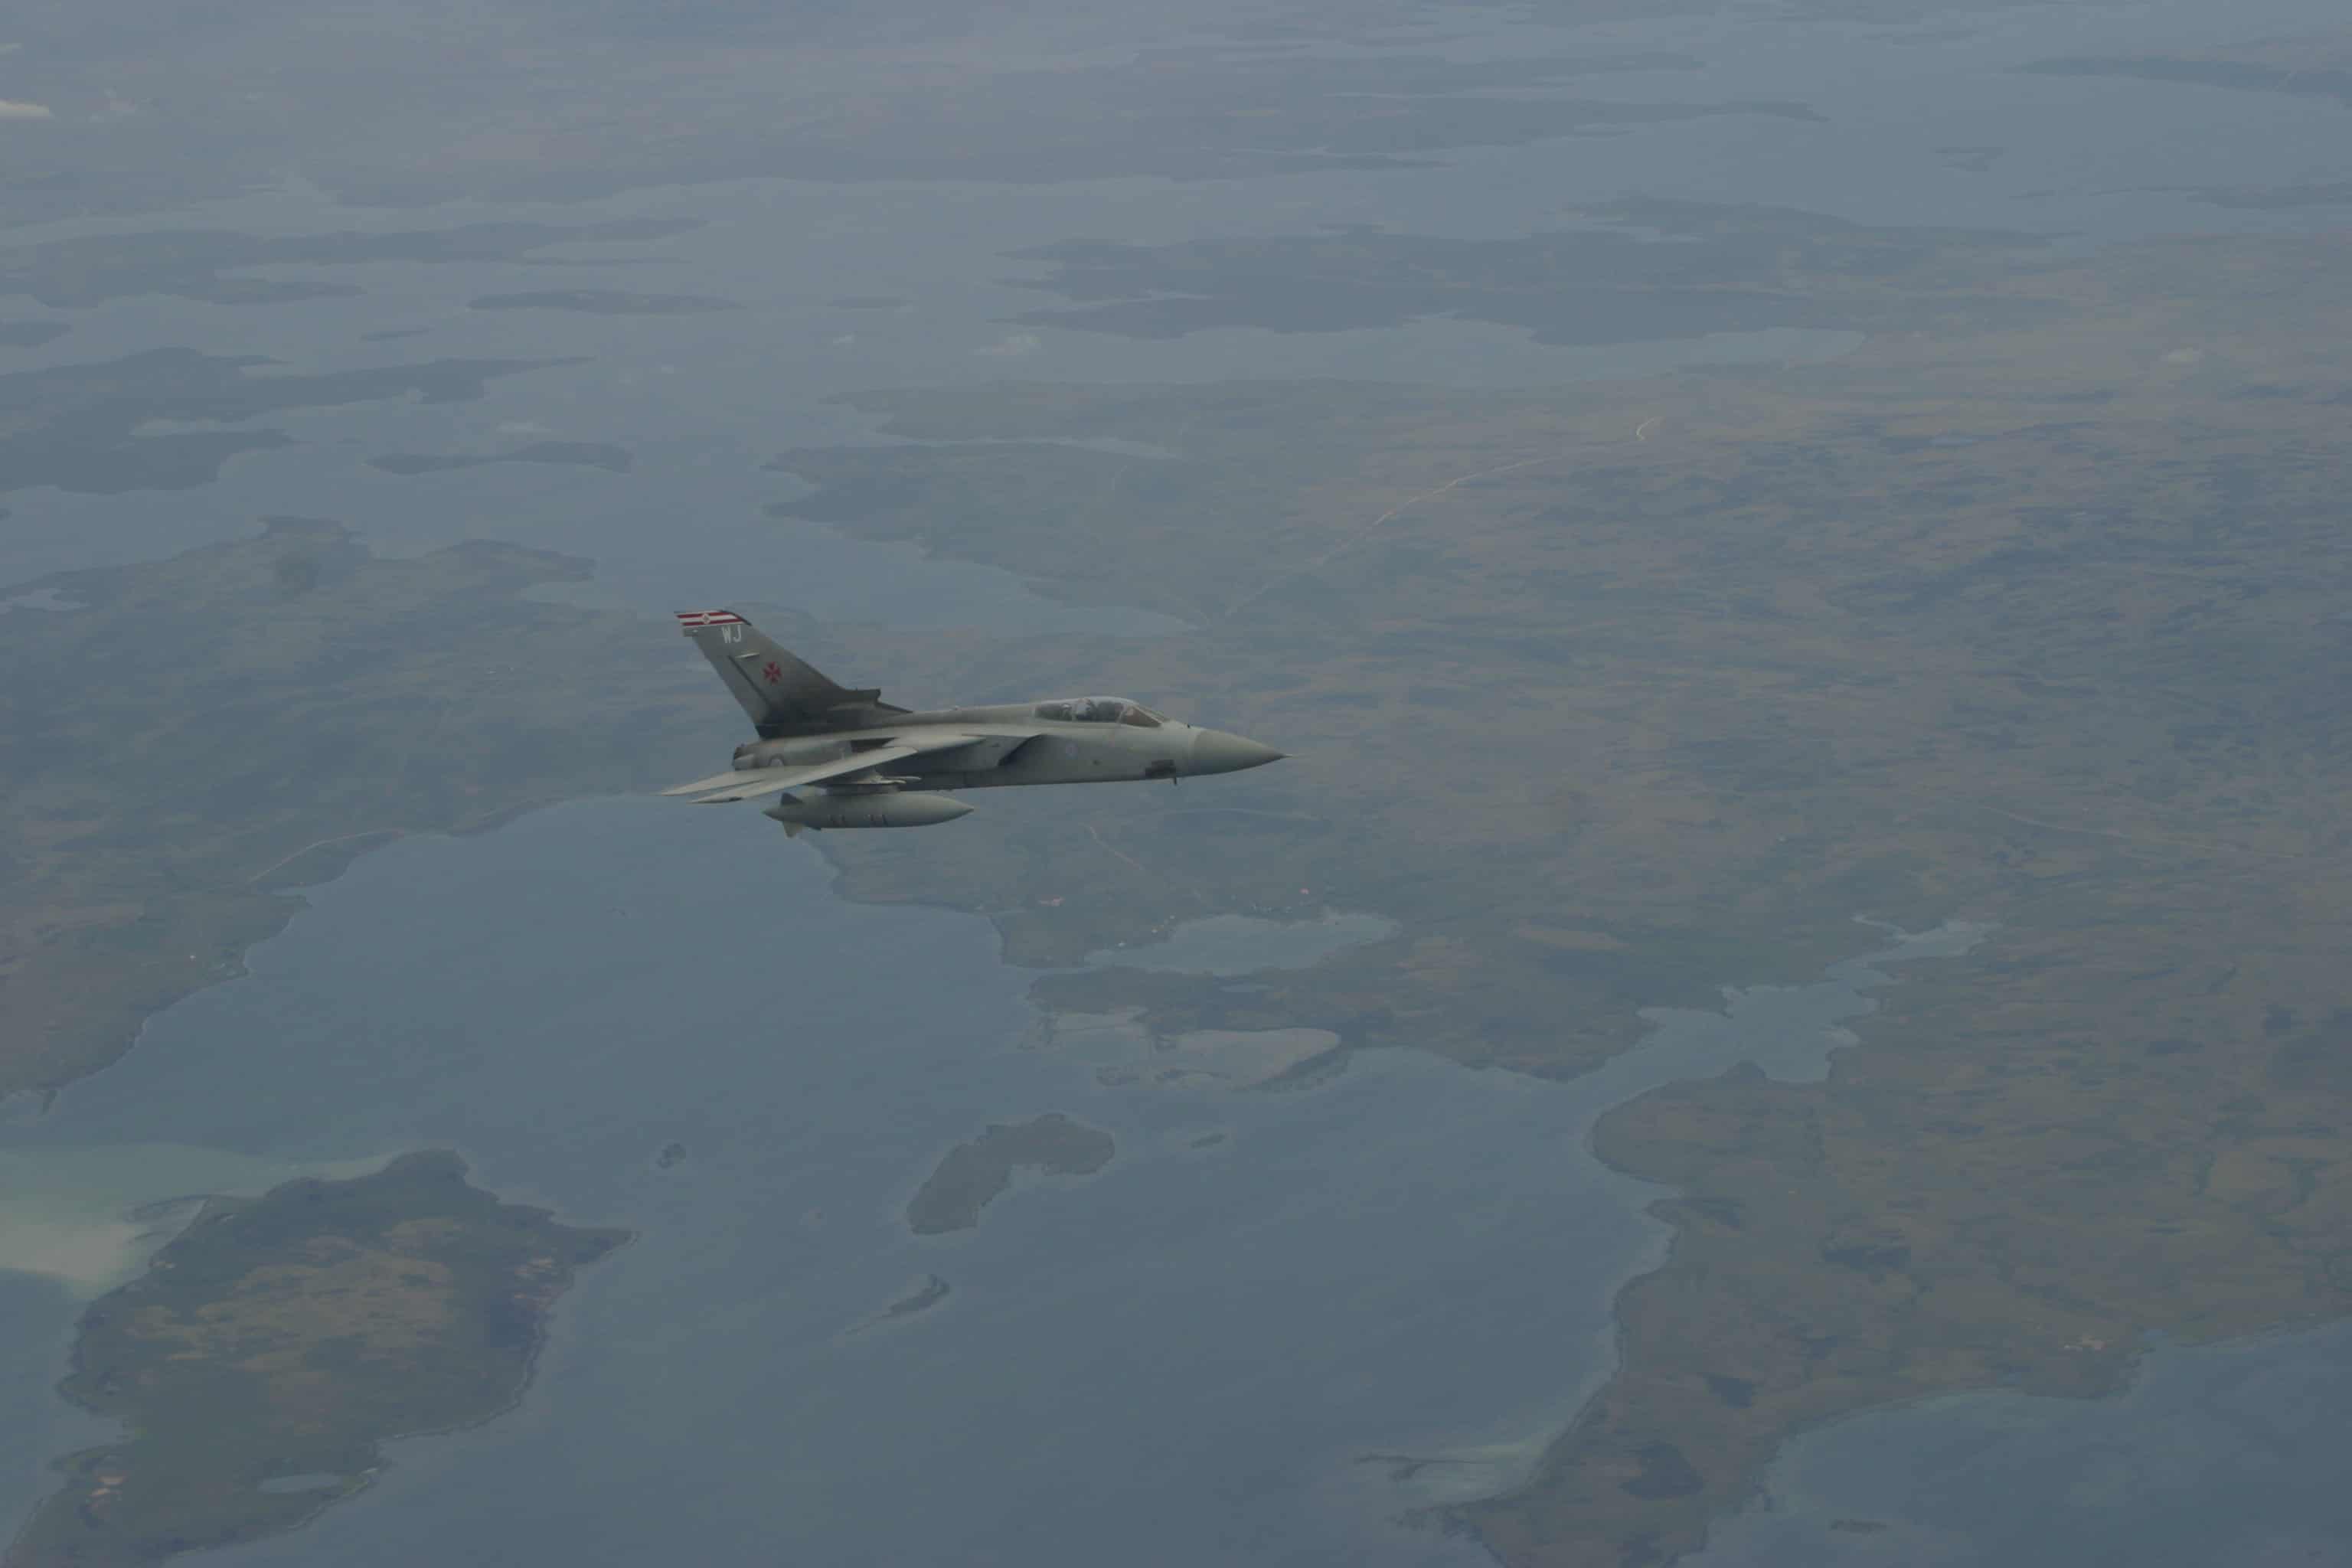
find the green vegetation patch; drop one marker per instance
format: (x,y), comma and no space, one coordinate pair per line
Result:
(972,1176)
(271,1348)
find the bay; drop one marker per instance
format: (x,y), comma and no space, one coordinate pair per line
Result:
(1204,1349)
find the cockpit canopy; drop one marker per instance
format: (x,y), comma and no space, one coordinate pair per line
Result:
(1100,710)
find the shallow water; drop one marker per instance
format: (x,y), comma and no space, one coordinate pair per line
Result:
(89,1218)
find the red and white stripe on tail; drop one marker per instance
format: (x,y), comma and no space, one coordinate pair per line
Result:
(688,620)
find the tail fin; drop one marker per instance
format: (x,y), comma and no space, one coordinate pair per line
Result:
(782,694)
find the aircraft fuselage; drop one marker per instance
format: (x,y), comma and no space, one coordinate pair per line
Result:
(1031,751)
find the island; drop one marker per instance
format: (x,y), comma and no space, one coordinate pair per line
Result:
(920,1298)
(272,1348)
(973,1175)
(931,1293)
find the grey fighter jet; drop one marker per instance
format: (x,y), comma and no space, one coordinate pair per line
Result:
(844,758)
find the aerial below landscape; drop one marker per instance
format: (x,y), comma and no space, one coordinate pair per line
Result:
(1784,1005)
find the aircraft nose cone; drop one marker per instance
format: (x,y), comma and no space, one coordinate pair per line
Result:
(1215,751)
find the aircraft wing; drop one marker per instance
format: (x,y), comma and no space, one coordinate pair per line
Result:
(751,783)
(716,781)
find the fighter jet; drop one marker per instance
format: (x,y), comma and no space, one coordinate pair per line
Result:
(839,757)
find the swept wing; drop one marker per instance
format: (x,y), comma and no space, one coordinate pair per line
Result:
(751,783)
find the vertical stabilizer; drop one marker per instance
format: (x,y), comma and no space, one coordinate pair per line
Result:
(782,694)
